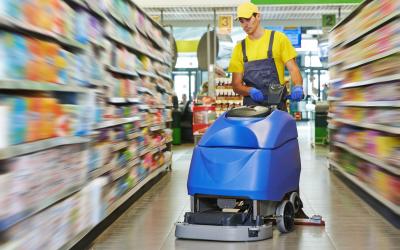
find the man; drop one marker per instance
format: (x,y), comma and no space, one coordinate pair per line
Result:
(260,59)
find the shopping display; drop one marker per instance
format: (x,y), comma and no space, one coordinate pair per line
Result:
(85,109)
(364,101)
(226,98)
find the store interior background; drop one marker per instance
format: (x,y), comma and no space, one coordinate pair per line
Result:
(302,24)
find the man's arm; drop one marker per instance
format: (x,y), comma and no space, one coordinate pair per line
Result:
(237,84)
(294,71)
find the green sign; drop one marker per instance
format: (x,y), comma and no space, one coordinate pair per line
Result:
(261,2)
(328,20)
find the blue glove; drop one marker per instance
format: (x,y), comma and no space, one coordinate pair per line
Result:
(297,93)
(256,95)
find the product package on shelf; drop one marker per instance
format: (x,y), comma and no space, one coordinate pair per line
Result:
(226,98)
(364,100)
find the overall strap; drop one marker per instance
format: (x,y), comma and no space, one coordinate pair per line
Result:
(245,59)
(271,44)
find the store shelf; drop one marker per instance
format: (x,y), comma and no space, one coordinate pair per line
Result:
(331,126)
(117,204)
(117,100)
(133,49)
(370,158)
(334,99)
(75,240)
(146,73)
(134,100)
(165,76)
(333,64)
(157,127)
(371,28)
(134,135)
(8,222)
(32,147)
(335,80)
(14,24)
(40,86)
(122,71)
(372,58)
(97,43)
(388,104)
(145,90)
(100,171)
(384,128)
(120,173)
(120,20)
(136,188)
(382,79)
(116,122)
(145,124)
(395,208)
(331,115)
(120,145)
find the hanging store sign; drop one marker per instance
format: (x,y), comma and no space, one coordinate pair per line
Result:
(293,33)
(225,24)
(328,21)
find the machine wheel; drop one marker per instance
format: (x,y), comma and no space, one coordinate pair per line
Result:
(296,202)
(285,217)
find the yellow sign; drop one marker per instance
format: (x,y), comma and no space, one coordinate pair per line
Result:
(156,18)
(225,24)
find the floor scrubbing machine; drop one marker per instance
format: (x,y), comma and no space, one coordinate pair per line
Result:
(244,175)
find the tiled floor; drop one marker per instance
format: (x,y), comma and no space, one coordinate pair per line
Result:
(350,222)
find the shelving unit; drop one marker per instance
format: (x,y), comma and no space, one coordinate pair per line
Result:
(119,107)
(357,115)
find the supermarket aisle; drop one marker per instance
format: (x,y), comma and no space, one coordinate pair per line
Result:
(351,223)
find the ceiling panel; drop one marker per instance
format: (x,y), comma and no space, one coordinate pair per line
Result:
(271,12)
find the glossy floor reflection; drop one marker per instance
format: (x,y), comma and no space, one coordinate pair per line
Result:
(350,222)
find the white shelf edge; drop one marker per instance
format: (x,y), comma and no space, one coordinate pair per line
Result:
(334,99)
(146,73)
(122,71)
(372,27)
(371,81)
(335,80)
(117,100)
(120,145)
(100,171)
(384,128)
(331,115)
(369,158)
(31,147)
(373,58)
(134,135)
(116,122)
(367,189)
(395,104)
(13,84)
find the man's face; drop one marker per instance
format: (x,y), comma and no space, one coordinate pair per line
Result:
(249,25)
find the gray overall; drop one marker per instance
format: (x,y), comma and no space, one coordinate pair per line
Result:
(260,74)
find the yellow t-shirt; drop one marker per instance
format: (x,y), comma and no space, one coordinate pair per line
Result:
(282,51)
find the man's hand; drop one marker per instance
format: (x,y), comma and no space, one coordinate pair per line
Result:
(297,93)
(256,95)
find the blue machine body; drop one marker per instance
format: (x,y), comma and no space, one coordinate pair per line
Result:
(254,158)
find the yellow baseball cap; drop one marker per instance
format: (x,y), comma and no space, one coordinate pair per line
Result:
(245,10)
